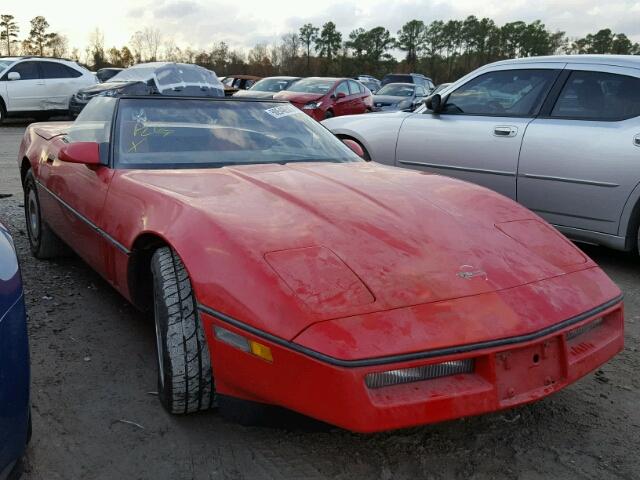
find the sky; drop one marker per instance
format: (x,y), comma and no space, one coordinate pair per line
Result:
(200,23)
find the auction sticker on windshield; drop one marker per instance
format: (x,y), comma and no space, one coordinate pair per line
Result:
(282,111)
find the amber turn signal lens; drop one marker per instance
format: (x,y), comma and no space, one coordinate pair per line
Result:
(261,351)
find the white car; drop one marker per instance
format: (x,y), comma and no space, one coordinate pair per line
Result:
(38,86)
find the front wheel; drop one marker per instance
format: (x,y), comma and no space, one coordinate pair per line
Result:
(185,378)
(328,114)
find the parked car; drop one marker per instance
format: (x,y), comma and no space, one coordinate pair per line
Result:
(321,97)
(283,269)
(440,87)
(15,418)
(267,87)
(399,96)
(372,83)
(39,87)
(416,78)
(153,77)
(234,83)
(559,134)
(105,74)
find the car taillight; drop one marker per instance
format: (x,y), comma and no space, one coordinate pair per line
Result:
(417,374)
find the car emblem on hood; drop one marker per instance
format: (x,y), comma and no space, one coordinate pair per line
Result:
(468,272)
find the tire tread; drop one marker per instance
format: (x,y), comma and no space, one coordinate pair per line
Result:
(189,382)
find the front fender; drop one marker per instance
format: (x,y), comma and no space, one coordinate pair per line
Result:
(377,132)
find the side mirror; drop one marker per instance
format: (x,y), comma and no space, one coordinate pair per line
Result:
(87,153)
(354,146)
(13,76)
(434,103)
(340,95)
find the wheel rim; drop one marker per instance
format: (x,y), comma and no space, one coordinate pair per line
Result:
(33,215)
(159,347)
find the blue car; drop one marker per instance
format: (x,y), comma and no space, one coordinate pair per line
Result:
(15,418)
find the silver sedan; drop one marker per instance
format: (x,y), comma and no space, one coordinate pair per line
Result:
(559,134)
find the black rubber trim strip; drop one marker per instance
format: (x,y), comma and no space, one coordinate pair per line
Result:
(369,362)
(570,180)
(459,169)
(97,229)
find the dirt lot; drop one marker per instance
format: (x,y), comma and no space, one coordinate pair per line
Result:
(93,371)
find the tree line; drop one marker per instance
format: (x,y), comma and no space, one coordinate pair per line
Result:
(443,50)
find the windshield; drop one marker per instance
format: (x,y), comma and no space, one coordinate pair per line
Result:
(5,62)
(397,90)
(171,133)
(272,84)
(134,75)
(312,85)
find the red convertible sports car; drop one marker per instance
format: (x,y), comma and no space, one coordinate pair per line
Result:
(283,269)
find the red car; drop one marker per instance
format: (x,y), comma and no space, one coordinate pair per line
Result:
(280,264)
(323,98)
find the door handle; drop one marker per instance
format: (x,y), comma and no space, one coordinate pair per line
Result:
(636,140)
(505,131)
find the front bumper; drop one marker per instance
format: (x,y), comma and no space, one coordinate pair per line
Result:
(316,113)
(76,105)
(504,376)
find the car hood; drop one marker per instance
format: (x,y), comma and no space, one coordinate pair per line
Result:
(346,239)
(298,97)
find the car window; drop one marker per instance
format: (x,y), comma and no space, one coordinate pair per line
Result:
(598,96)
(420,91)
(57,70)
(312,85)
(272,84)
(354,88)
(342,88)
(397,90)
(501,93)
(189,133)
(27,70)
(94,122)
(249,84)
(397,79)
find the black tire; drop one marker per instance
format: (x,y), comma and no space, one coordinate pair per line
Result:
(3,111)
(43,242)
(185,378)
(328,114)
(42,117)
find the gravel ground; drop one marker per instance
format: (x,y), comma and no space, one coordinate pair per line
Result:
(96,416)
